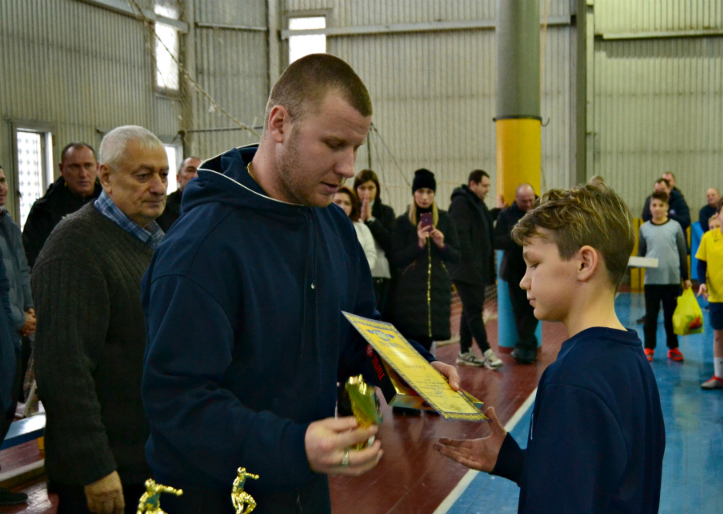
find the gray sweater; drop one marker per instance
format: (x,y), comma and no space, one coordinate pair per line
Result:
(89,349)
(666,243)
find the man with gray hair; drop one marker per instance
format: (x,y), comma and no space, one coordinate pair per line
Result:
(91,336)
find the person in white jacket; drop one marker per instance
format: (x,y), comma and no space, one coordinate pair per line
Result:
(349,202)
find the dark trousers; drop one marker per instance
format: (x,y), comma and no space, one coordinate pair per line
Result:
(381,291)
(8,416)
(426,342)
(471,324)
(654,295)
(525,319)
(71,498)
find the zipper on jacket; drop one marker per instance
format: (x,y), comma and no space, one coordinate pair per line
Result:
(429,286)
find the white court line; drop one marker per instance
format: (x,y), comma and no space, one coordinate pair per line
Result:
(471,474)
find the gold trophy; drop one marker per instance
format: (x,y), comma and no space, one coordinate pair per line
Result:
(364,405)
(150,502)
(242,501)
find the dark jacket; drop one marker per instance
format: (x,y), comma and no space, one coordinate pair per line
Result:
(424,289)
(512,268)
(8,349)
(18,271)
(171,212)
(474,224)
(382,226)
(607,456)
(235,375)
(47,212)
(704,215)
(678,209)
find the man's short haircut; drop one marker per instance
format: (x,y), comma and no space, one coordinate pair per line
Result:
(303,86)
(591,214)
(180,166)
(665,181)
(720,205)
(114,144)
(78,145)
(365,176)
(660,195)
(669,173)
(476,176)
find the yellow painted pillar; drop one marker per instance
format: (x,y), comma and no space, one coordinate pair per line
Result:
(519,155)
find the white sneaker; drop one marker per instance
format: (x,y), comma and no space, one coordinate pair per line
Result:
(491,361)
(469,359)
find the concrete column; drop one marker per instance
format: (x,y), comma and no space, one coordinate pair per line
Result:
(518,123)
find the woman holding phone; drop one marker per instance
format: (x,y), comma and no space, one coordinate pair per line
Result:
(424,240)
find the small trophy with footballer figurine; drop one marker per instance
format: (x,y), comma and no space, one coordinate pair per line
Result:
(150,502)
(242,501)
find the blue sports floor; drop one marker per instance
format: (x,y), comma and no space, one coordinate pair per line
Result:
(693,463)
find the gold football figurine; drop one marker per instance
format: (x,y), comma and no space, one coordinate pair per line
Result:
(242,501)
(364,405)
(150,502)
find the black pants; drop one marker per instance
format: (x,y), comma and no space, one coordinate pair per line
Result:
(525,319)
(71,498)
(8,416)
(471,324)
(654,295)
(381,291)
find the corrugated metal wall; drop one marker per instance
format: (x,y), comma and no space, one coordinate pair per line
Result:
(75,68)
(434,91)
(232,66)
(657,102)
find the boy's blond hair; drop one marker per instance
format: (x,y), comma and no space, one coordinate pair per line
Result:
(591,214)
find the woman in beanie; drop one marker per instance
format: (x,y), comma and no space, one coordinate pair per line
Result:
(420,251)
(380,220)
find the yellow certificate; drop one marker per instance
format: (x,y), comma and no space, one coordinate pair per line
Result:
(415,370)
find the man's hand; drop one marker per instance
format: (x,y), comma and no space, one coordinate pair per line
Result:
(448,371)
(702,290)
(30,323)
(105,496)
(328,440)
(480,454)
(687,284)
(501,202)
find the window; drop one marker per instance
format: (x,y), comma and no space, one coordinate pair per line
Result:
(35,168)
(167,48)
(174,154)
(299,46)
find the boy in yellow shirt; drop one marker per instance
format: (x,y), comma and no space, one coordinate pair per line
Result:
(710,273)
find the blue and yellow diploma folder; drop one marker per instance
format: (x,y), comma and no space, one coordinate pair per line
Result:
(408,380)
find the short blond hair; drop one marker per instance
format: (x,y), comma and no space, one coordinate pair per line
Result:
(591,214)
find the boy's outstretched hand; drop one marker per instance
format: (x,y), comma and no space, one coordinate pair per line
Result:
(480,454)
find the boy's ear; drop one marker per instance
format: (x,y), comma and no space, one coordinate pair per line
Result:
(588,263)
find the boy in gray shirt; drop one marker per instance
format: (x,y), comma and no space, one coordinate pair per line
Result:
(663,239)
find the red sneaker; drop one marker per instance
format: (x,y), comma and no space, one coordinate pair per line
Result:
(675,354)
(713,383)
(649,352)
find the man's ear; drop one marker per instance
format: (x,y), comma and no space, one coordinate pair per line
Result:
(104,176)
(279,123)
(589,261)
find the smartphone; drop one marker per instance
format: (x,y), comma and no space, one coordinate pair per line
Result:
(426,219)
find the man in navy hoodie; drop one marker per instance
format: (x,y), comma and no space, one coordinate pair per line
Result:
(244,301)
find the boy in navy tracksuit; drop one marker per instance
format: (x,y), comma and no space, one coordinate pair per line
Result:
(596,437)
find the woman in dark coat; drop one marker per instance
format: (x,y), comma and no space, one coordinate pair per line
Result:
(420,252)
